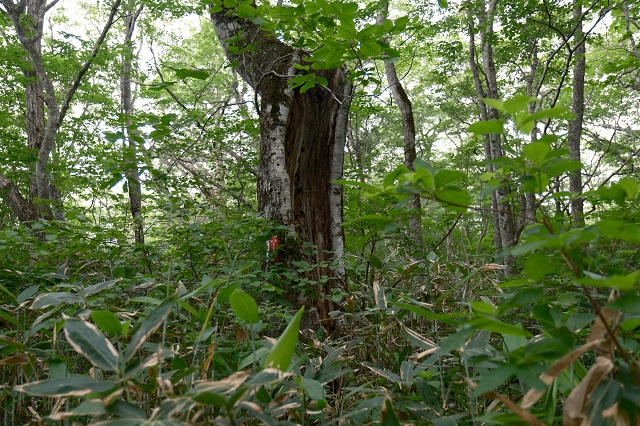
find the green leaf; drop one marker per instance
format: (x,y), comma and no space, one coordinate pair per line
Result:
(282,352)
(313,388)
(107,322)
(244,306)
(518,103)
(453,199)
(496,326)
(536,152)
(388,416)
(443,4)
(96,288)
(537,267)
(55,299)
(450,319)
(188,73)
(347,30)
(495,104)
(88,341)
(621,282)
(375,261)
(369,48)
(246,10)
(487,127)
(445,177)
(493,379)
(150,324)
(211,398)
(65,386)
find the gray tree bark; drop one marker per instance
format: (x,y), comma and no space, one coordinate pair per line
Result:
(41,129)
(575,126)
(302,137)
(409,133)
(504,227)
(132,172)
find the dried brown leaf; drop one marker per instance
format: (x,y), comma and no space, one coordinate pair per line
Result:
(576,407)
(599,329)
(554,372)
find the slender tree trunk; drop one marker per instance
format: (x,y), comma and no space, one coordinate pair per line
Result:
(409,132)
(504,227)
(131,151)
(302,139)
(575,126)
(41,128)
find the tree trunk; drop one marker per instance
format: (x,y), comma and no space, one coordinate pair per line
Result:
(134,187)
(504,228)
(575,126)
(41,130)
(302,138)
(409,132)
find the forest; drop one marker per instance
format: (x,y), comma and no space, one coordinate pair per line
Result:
(317,212)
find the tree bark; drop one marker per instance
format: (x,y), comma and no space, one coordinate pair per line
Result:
(134,186)
(575,126)
(302,137)
(409,133)
(504,228)
(41,131)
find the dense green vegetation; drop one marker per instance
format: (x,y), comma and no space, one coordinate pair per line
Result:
(136,283)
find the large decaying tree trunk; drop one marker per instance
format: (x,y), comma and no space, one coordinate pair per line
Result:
(302,138)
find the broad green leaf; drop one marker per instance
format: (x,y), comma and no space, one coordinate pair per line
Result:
(244,306)
(65,386)
(107,322)
(495,104)
(375,261)
(621,282)
(445,177)
(537,267)
(518,103)
(282,352)
(150,324)
(369,49)
(55,299)
(482,307)
(487,127)
(9,295)
(96,288)
(453,199)
(496,326)
(450,319)
(312,388)
(211,398)
(347,30)
(188,73)
(88,341)
(630,186)
(388,416)
(493,379)
(246,10)
(536,152)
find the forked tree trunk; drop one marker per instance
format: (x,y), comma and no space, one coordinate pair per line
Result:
(302,138)
(41,129)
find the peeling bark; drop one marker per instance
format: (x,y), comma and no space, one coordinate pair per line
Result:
(302,137)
